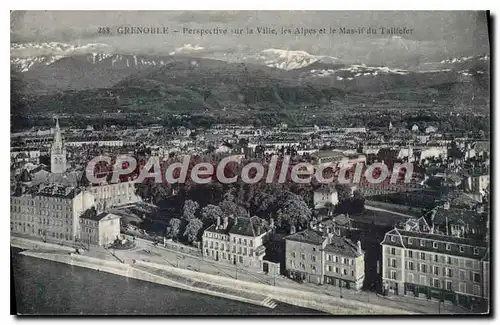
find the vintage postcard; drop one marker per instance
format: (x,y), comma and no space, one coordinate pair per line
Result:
(250,162)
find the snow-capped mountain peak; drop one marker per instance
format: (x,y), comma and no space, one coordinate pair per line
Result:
(289,59)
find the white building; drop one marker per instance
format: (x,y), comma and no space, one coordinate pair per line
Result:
(325,196)
(110,195)
(99,229)
(240,243)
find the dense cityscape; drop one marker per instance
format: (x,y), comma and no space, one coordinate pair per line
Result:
(413,240)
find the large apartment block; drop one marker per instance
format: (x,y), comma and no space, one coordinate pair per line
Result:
(49,211)
(324,258)
(240,241)
(437,266)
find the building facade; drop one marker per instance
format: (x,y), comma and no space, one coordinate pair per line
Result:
(435,266)
(324,197)
(324,258)
(240,242)
(49,212)
(99,229)
(109,195)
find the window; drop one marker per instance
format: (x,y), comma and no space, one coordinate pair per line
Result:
(393,262)
(448,247)
(251,242)
(462,287)
(393,239)
(423,280)
(409,241)
(244,242)
(476,251)
(303,256)
(302,266)
(329,268)
(410,254)
(352,273)
(423,268)
(435,283)
(436,258)
(436,270)
(292,254)
(435,245)
(241,259)
(314,249)
(448,272)
(461,249)
(313,268)
(329,257)
(477,290)
(410,266)
(336,259)
(344,271)
(393,251)
(313,258)
(422,256)
(336,270)
(393,275)
(422,243)
(448,285)
(476,277)
(410,277)
(462,275)
(448,260)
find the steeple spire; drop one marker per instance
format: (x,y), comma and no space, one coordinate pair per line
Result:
(57,152)
(57,135)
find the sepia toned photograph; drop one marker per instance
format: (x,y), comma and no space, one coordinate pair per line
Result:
(243,163)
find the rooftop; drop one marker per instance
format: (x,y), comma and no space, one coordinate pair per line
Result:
(245,226)
(307,236)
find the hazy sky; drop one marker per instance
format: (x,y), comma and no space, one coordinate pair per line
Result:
(436,35)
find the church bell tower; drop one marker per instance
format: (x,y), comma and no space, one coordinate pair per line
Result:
(57,153)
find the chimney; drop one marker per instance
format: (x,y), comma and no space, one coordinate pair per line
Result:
(271,223)
(330,238)
(218,222)
(226,222)
(325,231)
(292,230)
(235,221)
(446,205)
(359,247)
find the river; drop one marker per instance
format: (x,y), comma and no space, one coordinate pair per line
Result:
(50,288)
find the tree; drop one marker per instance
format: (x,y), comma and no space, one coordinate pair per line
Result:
(293,212)
(343,192)
(230,208)
(189,210)
(192,229)
(210,213)
(174,228)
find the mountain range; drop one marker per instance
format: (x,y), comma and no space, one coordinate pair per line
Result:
(94,77)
